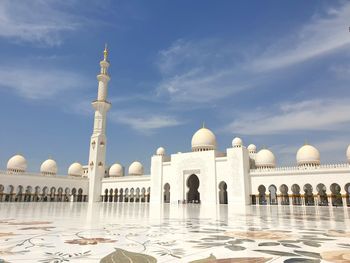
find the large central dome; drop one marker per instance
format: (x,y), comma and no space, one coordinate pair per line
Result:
(203,140)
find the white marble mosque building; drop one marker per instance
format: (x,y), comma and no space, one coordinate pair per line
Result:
(238,175)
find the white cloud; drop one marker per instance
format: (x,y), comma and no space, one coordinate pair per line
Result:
(209,70)
(313,115)
(199,72)
(144,123)
(323,34)
(36,21)
(39,83)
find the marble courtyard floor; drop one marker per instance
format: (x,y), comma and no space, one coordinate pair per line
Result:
(131,232)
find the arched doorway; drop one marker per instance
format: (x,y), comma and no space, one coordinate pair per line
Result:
(308,195)
(193,195)
(222,193)
(80,195)
(262,195)
(59,194)
(44,194)
(167,193)
(143,194)
(284,194)
(115,195)
(52,194)
(322,195)
(28,194)
(336,195)
(19,194)
(10,190)
(110,197)
(67,194)
(121,198)
(137,197)
(273,195)
(296,197)
(106,196)
(132,195)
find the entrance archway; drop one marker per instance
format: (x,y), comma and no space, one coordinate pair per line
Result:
(167,193)
(193,195)
(223,193)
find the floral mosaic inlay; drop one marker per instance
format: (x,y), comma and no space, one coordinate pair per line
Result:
(64,232)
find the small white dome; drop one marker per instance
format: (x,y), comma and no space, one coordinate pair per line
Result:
(160,151)
(237,142)
(251,148)
(265,159)
(49,167)
(203,140)
(348,153)
(116,170)
(17,164)
(136,168)
(75,169)
(308,155)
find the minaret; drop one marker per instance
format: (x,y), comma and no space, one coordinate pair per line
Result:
(97,156)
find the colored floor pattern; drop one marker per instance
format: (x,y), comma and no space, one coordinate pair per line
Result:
(129,232)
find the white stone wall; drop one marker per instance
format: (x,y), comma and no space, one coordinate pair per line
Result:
(34,180)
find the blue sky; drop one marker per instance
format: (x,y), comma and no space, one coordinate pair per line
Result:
(274,73)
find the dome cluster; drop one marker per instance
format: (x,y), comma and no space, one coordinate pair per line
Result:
(205,140)
(117,170)
(18,164)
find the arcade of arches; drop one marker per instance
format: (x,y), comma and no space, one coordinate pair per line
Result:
(38,194)
(126,195)
(302,195)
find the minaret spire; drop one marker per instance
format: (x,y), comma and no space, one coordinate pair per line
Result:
(97,156)
(105,53)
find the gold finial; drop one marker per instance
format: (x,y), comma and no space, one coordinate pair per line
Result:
(306,142)
(203,125)
(105,53)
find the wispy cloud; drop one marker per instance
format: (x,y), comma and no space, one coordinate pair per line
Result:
(36,21)
(208,70)
(144,123)
(29,84)
(312,115)
(199,72)
(325,33)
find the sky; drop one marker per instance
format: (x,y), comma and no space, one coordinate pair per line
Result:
(275,73)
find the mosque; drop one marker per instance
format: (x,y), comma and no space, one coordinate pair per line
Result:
(238,175)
